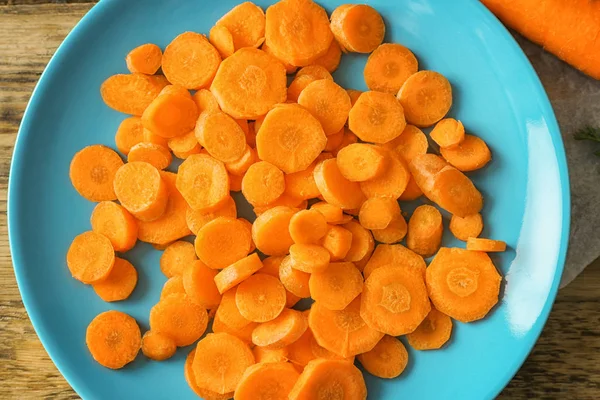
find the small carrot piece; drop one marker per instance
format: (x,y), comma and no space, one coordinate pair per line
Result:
(330,60)
(148,136)
(157,346)
(205,101)
(388,67)
(270,231)
(173,285)
(300,352)
(412,191)
(426,98)
(266,381)
(387,359)
(362,241)
(92,172)
(263,183)
(185,145)
(90,257)
(191,380)
(221,136)
(448,133)
(335,188)
(469,155)
(357,27)
(334,141)
(425,230)
(271,267)
(197,219)
(393,233)
(333,214)
(354,95)
(237,272)
(282,331)
(240,166)
(377,117)
(302,184)
(145,59)
(336,286)
(265,355)
(378,212)
(289,68)
(246,22)
(307,227)
(229,313)
(176,89)
(361,162)
(191,319)
(222,242)
(304,77)
(283,200)
(294,280)
(154,154)
(141,190)
(203,182)
(170,115)
(199,284)
(337,241)
(260,298)
(319,351)
(309,258)
(485,245)
(467,227)
(433,333)
(360,264)
(396,255)
(348,139)
(392,182)
(328,102)
(337,378)
(113,338)
(119,283)
(116,223)
(129,133)
(220,37)
(411,143)
(131,93)
(245,334)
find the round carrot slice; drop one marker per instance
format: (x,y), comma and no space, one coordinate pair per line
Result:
(203,182)
(179,318)
(336,286)
(244,334)
(90,257)
(337,241)
(486,245)
(294,280)
(264,355)
(154,154)
(145,59)
(354,95)
(260,298)
(309,258)
(411,143)
(339,379)
(246,22)
(199,284)
(249,83)
(191,380)
(433,333)
(237,272)
(220,362)
(388,67)
(362,241)
(150,137)
(190,61)
(240,166)
(220,37)
(376,117)
(378,212)
(176,89)
(284,330)
(328,102)
(332,214)
(392,182)
(361,162)
(267,381)
(302,184)
(304,77)
(387,359)
(396,255)
(205,101)
(308,227)
(263,183)
(197,219)
(222,241)
(129,133)
(448,133)
(170,115)
(392,233)
(141,190)
(290,138)
(131,93)
(319,351)
(358,28)
(270,231)
(289,68)
(412,191)
(119,283)
(173,285)
(469,155)
(221,136)
(426,97)
(334,141)
(330,60)
(228,312)
(114,339)
(467,227)
(425,229)
(336,189)
(93,171)
(300,352)
(114,221)
(157,346)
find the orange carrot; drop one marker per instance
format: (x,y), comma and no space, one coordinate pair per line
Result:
(396,255)
(294,280)
(222,242)
(426,98)
(263,183)
(333,214)
(392,182)
(336,286)
(469,155)
(197,219)
(433,332)
(228,312)
(114,339)
(119,283)
(387,359)
(270,231)
(220,37)
(309,258)
(173,285)
(467,227)
(486,245)
(302,184)
(425,229)
(260,298)
(336,378)
(176,89)
(328,102)
(330,60)
(362,241)
(246,22)
(376,117)
(335,188)
(154,154)
(307,227)
(221,136)
(411,143)
(282,331)
(361,162)
(305,77)
(145,59)
(129,133)
(131,93)
(378,212)
(394,232)
(448,133)
(199,284)
(337,241)
(266,381)
(205,101)
(241,165)
(90,257)
(203,182)
(141,190)
(283,200)
(185,145)
(93,171)
(148,136)
(237,272)
(289,68)
(266,355)
(388,67)
(357,27)
(191,319)
(354,95)
(412,191)
(170,115)
(157,346)
(113,221)
(191,380)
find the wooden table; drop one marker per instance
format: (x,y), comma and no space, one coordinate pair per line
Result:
(564,364)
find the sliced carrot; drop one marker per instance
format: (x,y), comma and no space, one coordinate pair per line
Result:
(328,102)
(343,332)
(191,319)
(307,227)
(129,133)
(270,231)
(203,182)
(176,89)
(116,223)
(290,138)
(222,242)
(361,162)
(221,136)
(173,285)
(260,298)
(114,339)
(335,188)
(154,154)
(263,183)
(271,267)
(185,145)
(467,227)
(246,22)
(337,241)
(305,77)
(249,83)
(378,212)
(448,133)
(153,138)
(240,166)
(237,272)
(228,312)
(283,200)
(235,183)
(412,191)
(90,257)
(145,59)
(191,380)
(332,213)
(387,359)
(220,37)
(393,233)
(199,284)
(266,381)
(282,331)
(330,60)
(302,184)
(411,143)
(141,190)
(360,264)
(376,117)
(157,346)
(300,352)
(396,255)
(119,283)
(309,258)
(190,61)
(388,67)
(485,245)
(170,115)
(348,139)
(336,286)
(394,300)
(294,280)
(433,332)
(131,93)
(289,68)
(337,379)
(469,155)
(265,355)
(426,97)
(362,241)
(205,101)
(357,27)
(354,95)
(334,141)
(197,219)
(245,334)
(319,351)
(425,230)
(93,171)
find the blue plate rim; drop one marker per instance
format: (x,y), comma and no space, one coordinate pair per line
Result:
(101,7)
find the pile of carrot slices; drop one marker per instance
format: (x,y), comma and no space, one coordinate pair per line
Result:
(324,168)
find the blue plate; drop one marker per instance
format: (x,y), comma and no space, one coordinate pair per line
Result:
(497,95)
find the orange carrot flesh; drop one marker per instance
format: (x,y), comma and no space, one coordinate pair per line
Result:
(338,379)
(90,257)
(266,381)
(387,359)
(486,245)
(119,283)
(397,255)
(433,333)
(467,227)
(157,346)
(114,339)
(145,59)
(92,172)
(192,318)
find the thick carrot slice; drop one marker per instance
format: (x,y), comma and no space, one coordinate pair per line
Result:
(348,139)
(221,136)
(354,95)
(199,284)
(93,171)
(228,312)
(333,214)
(157,346)
(301,22)
(246,22)
(433,332)
(260,298)
(334,141)
(173,285)
(376,117)
(222,242)
(396,255)
(129,133)
(335,188)
(185,145)
(328,102)
(90,257)
(263,183)
(305,77)
(378,212)
(330,60)
(338,379)
(358,28)
(131,93)
(283,200)
(282,331)
(249,83)
(361,162)
(425,230)
(300,352)
(448,133)
(412,191)
(150,137)
(309,258)
(319,351)
(205,101)
(343,332)
(176,89)
(170,115)
(141,190)
(302,184)
(220,362)
(114,339)
(191,380)
(388,67)
(411,143)
(220,37)
(426,97)
(486,245)
(240,166)
(360,264)
(154,154)
(337,241)
(190,61)
(270,231)
(116,223)
(392,233)
(119,283)
(191,319)
(387,359)
(265,355)
(294,280)
(145,59)
(362,241)
(336,286)
(203,182)
(467,227)
(271,267)
(289,68)
(267,381)
(197,219)
(245,334)
(307,227)
(290,138)
(469,155)
(394,300)
(237,272)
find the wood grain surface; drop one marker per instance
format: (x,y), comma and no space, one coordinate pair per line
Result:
(564,364)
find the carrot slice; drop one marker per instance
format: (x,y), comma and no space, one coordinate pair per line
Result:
(270,231)
(114,339)
(191,380)
(305,77)
(412,191)
(197,219)
(282,331)
(190,61)
(222,242)
(271,267)
(203,182)
(486,245)
(362,241)
(396,255)
(260,298)
(93,171)
(332,213)
(376,117)
(177,90)
(467,227)
(425,230)
(343,332)
(319,351)
(392,233)
(289,68)
(388,67)
(394,300)
(265,355)
(336,286)
(141,190)
(145,59)
(266,381)
(337,241)
(300,352)
(426,97)
(154,154)
(360,162)
(116,223)
(205,101)
(334,141)
(157,346)
(240,166)
(199,284)
(301,22)
(469,155)
(354,95)
(119,283)
(338,379)
(129,133)
(131,93)
(185,145)
(433,332)
(328,102)
(191,319)
(387,359)
(153,138)
(283,200)
(309,258)
(290,138)
(221,136)
(307,227)
(378,212)
(90,257)
(411,143)
(173,285)
(360,264)
(335,188)
(448,133)
(237,272)
(302,184)
(220,37)
(263,183)
(330,60)
(245,334)
(246,22)
(358,28)
(228,312)
(463,284)
(294,280)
